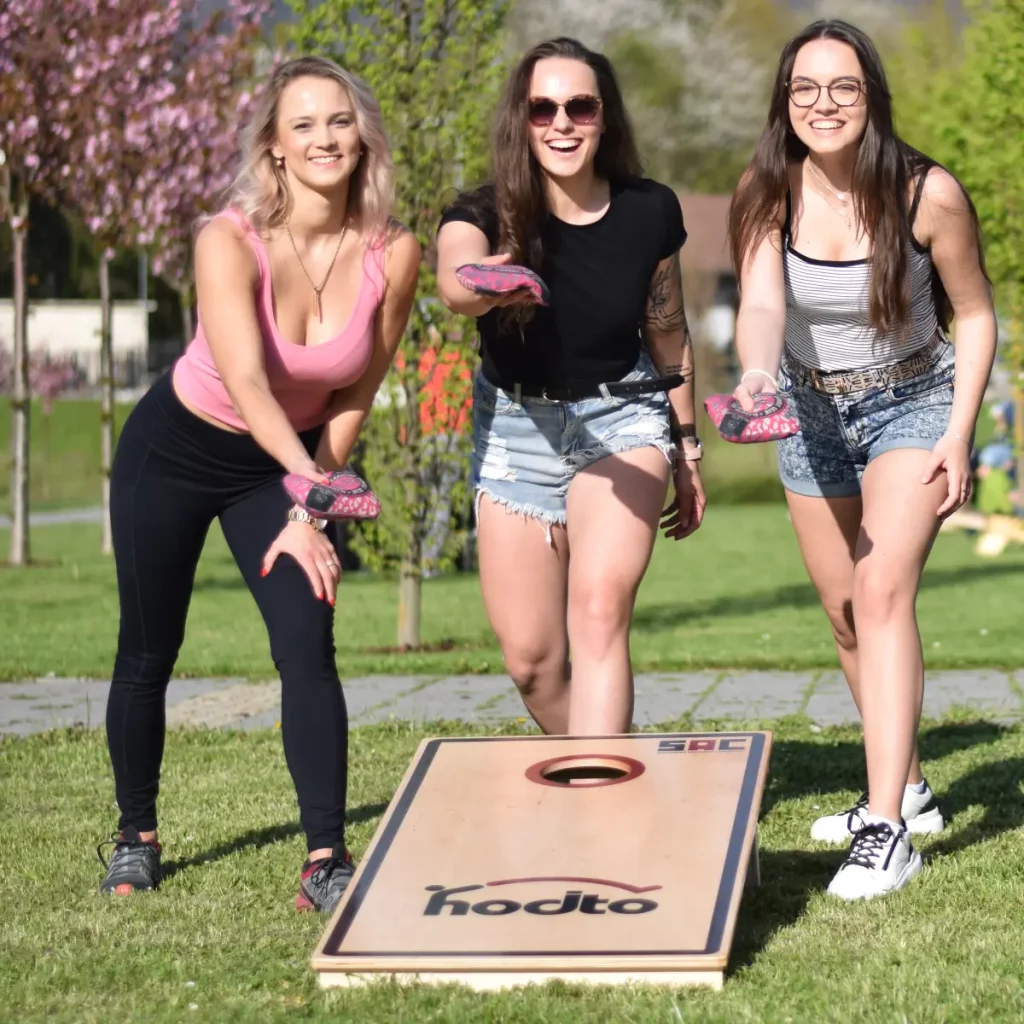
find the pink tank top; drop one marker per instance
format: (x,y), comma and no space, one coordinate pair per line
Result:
(301,378)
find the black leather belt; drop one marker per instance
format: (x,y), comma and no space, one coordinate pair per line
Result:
(578,392)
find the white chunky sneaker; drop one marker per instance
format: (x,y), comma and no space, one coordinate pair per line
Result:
(881,860)
(920,811)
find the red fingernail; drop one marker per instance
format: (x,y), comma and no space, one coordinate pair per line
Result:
(263,572)
(331,600)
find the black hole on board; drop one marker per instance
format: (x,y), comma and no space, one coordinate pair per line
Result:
(582,773)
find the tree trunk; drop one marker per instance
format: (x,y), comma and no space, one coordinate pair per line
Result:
(410,586)
(1018,438)
(106,397)
(410,581)
(22,397)
(185,301)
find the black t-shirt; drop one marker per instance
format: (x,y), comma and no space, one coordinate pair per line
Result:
(599,276)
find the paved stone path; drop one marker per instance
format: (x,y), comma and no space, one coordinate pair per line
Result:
(38,705)
(61,516)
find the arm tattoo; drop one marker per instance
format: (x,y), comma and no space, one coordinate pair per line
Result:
(665,311)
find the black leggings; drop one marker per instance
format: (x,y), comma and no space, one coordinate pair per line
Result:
(173,473)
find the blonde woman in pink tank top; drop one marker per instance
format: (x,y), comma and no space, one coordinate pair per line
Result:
(304,285)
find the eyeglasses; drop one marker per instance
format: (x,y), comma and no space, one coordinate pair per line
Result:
(579,110)
(843,94)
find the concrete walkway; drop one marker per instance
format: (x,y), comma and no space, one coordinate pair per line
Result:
(59,517)
(37,705)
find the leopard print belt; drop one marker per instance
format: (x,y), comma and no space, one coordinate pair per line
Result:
(846,382)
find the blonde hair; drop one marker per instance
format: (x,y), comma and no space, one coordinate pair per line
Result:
(260,189)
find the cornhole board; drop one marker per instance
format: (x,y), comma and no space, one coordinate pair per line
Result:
(507,860)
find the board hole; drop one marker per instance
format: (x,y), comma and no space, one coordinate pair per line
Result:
(580,772)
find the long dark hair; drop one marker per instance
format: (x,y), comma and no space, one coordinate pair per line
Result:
(882,174)
(516,190)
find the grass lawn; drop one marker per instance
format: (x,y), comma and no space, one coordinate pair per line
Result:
(733,595)
(64,454)
(220,941)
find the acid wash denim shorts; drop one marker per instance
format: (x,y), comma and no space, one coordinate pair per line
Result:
(526,454)
(840,434)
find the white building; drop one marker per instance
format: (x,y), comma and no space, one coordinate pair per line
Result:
(70,329)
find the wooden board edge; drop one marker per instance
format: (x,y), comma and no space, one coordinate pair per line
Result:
(750,837)
(496,981)
(371,846)
(599,963)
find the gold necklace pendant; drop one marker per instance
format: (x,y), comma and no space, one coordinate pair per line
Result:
(317,289)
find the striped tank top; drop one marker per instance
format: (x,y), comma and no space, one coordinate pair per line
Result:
(827,305)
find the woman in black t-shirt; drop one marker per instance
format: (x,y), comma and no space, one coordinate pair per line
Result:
(580,419)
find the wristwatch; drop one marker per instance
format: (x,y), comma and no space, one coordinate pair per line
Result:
(694,452)
(300,515)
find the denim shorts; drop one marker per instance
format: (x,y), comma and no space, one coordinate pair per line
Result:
(526,454)
(840,434)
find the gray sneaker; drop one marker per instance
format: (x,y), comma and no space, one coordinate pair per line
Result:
(324,881)
(134,865)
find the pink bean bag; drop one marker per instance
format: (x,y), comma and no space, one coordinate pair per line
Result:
(771,420)
(346,496)
(501,279)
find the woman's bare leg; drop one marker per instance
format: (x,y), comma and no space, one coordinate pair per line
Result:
(897,532)
(523,578)
(613,510)
(827,530)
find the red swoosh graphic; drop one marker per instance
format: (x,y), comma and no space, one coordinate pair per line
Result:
(572,878)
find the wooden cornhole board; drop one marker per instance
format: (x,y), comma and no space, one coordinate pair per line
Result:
(491,869)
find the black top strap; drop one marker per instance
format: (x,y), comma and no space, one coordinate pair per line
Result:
(918,191)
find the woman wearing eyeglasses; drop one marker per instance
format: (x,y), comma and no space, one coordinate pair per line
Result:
(580,419)
(855,251)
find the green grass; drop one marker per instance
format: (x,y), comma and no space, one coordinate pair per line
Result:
(220,941)
(64,454)
(733,595)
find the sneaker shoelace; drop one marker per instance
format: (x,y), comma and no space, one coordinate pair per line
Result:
(869,844)
(123,848)
(855,811)
(331,874)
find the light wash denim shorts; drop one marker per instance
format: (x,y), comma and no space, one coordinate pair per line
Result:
(526,454)
(840,434)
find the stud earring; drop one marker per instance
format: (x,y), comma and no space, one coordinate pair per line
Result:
(280,161)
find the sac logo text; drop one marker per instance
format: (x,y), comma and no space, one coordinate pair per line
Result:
(708,746)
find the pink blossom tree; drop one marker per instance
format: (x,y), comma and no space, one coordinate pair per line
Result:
(34,133)
(121,60)
(194,156)
(147,73)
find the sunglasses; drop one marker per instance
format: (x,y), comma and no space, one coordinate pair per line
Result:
(579,110)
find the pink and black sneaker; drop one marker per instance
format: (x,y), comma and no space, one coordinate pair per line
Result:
(134,865)
(324,881)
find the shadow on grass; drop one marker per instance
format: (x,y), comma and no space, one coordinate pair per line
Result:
(670,615)
(257,838)
(788,878)
(800,769)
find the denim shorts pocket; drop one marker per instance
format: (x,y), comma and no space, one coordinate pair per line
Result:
(488,398)
(935,378)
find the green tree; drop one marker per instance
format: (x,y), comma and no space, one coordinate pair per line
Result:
(923,58)
(434,67)
(983,132)
(696,74)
